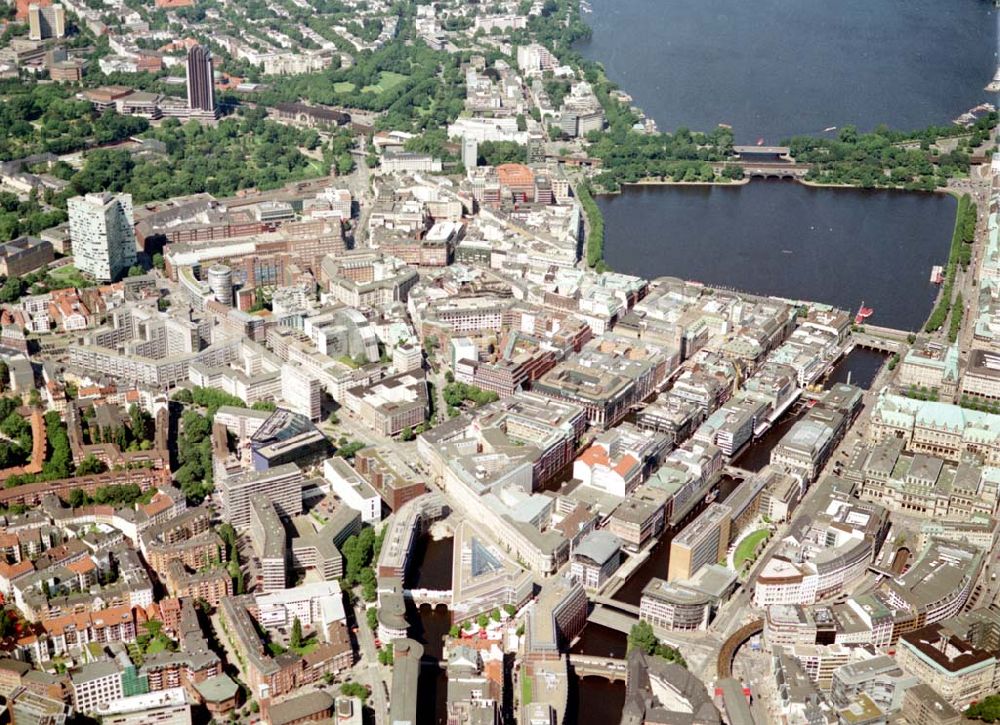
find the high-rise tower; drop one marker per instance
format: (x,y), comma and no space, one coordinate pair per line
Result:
(200,79)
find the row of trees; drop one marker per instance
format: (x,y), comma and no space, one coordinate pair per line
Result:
(628,156)
(987,709)
(15,445)
(116,495)
(595,226)
(890,159)
(959,254)
(194,454)
(208,398)
(360,552)
(455,394)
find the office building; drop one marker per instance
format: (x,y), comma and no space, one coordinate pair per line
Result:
(101,228)
(921,704)
(200,79)
(301,391)
(95,685)
(689,604)
(958,670)
(282,485)
(269,544)
(220,281)
(27,707)
(704,541)
(559,615)
(351,488)
(405,675)
(470,152)
(164,707)
(46,22)
(596,558)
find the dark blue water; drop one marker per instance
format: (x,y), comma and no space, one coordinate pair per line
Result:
(774,68)
(838,246)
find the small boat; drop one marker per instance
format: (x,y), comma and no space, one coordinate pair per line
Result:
(937,274)
(829,128)
(712,495)
(760,141)
(787,251)
(863,313)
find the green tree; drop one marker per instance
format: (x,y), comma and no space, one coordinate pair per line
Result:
(354,689)
(642,637)
(295,640)
(91,465)
(987,709)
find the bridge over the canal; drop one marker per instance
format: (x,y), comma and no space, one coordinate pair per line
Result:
(767,169)
(782,151)
(608,667)
(434,597)
(613,614)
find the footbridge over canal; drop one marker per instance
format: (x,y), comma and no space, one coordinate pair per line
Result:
(613,614)
(434,597)
(608,667)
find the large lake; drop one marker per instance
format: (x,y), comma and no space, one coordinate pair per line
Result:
(781,238)
(775,68)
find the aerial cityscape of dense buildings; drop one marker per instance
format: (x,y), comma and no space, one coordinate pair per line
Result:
(319,402)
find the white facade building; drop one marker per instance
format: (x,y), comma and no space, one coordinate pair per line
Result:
(101,228)
(301,391)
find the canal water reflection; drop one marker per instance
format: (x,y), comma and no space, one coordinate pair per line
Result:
(837,246)
(594,701)
(600,641)
(430,568)
(656,563)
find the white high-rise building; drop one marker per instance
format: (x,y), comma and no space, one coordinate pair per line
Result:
(46,22)
(470,152)
(301,391)
(102,230)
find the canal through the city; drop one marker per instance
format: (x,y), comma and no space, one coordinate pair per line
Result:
(430,568)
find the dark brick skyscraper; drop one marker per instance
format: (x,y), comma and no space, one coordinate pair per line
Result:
(200,80)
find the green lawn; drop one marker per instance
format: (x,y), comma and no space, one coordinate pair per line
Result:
(343,87)
(158,644)
(525,689)
(745,549)
(387,80)
(70,276)
(307,646)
